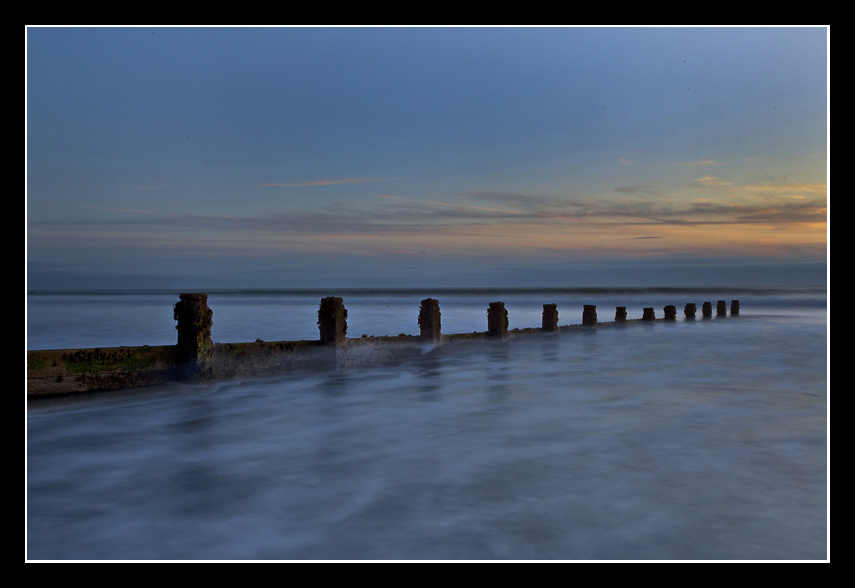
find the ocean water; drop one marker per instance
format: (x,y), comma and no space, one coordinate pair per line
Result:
(691,440)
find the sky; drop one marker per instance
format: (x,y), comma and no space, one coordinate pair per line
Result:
(203,158)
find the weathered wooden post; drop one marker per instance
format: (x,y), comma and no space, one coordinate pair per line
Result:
(620,314)
(648,315)
(550,318)
(589,315)
(332,321)
(670,312)
(497,320)
(690,311)
(734,308)
(707,309)
(430,325)
(195,349)
(721,308)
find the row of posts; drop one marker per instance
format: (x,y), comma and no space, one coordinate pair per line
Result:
(195,347)
(690,310)
(334,328)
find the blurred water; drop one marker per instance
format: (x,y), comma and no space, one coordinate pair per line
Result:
(700,439)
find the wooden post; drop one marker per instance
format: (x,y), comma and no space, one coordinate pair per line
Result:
(721,308)
(734,308)
(497,320)
(430,325)
(332,321)
(550,318)
(690,311)
(648,315)
(670,312)
(589,315)
(707,309)
(620,314)
(194,349)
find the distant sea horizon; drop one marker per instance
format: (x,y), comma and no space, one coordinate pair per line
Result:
(439,290)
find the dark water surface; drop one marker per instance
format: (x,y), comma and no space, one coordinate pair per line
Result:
(702,439)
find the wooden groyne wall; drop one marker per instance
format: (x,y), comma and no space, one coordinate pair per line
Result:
(195,357)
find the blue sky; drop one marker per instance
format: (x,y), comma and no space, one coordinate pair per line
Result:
(358,157)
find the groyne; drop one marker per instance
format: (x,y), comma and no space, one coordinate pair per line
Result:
(196,358)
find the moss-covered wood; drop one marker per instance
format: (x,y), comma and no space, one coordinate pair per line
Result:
(589,315)
(332,321)
(497,320)
(195,348)
(63,371)
(430,323)
(549,322)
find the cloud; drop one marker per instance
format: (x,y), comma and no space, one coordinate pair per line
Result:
(776,212)
(634,190)
(125,210)
(623,161)
(328,182)
(711,181)
(504,197)
(497,221)
(813,189)
(706,162)
(451,204)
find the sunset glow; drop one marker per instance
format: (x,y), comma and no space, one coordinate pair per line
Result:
(206,153)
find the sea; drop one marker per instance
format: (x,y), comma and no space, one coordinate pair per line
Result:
(694,440)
